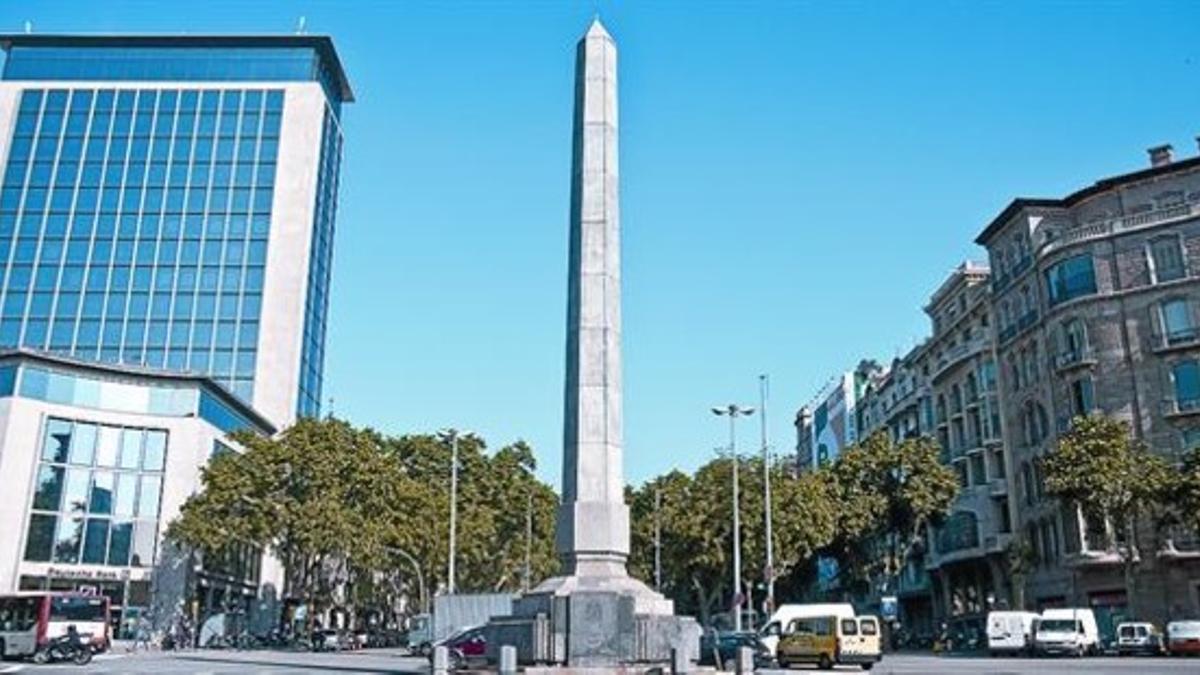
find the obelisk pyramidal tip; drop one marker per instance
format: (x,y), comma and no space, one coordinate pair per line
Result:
(593,527)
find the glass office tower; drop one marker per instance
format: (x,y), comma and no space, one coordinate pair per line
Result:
(169,202)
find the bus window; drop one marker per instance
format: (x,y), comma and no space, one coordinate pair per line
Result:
(849,627)
(78,609)
(17,615)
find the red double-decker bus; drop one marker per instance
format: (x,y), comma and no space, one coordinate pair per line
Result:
(28,621)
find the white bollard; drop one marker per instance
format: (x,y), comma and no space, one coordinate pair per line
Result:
(745,661)
(441,660)
(680,663)
(508,660)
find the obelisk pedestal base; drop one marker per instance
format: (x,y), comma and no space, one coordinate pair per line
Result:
(594,622)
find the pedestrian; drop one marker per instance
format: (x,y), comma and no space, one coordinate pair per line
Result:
(141,635)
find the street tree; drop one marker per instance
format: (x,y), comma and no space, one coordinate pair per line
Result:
(887,495)
(695,517)
(1114,480)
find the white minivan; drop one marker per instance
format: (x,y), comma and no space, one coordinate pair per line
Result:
(769,634)
(1011,632)
(1071,632)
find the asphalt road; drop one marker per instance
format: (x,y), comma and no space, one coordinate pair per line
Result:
(908,664)
(245,663)
(386,661)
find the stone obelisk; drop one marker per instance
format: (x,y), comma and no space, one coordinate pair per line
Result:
(593,521)
(595,615)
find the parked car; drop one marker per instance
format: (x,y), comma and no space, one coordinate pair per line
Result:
(1067,632)
(830,640)
(725,645)
(1135,637)
(327,640)
(786,613)
(467,647)
(1183,638)
(1010,632)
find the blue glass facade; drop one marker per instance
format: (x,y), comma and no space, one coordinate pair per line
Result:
(319,269)
(134,223)
(166,63)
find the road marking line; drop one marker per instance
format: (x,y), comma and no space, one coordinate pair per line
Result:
(11,669)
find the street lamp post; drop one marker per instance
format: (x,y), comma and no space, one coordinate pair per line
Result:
(733,411)
(657,541)
(528,540)
(422,598)
(450,566)
(769,572)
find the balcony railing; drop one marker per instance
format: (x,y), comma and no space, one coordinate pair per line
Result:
(1176,406)
(1008,332)
(1074,359)
(1182,338)
(999,487)
(1121,224)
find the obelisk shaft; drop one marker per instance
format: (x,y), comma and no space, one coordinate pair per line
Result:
(593,527)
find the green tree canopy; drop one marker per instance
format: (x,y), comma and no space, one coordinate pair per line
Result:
(1114,480)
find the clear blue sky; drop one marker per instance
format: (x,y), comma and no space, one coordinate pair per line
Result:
(796,179)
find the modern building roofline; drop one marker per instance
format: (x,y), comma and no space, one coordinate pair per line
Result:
(213,387)
(1102,185)
(323,44)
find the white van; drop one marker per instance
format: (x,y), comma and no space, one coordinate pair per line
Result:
(769,634)
(1070,631)
(1010,632)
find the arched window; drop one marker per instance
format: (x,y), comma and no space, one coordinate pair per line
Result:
(1039,478)
(1073,340)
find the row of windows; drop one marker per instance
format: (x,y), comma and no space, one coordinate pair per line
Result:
(96,494)
(147,100)
(94,173)
(68,304)
(146,226)
(50,252)
(66,200)
(121,151)
(198,338)
(81,122)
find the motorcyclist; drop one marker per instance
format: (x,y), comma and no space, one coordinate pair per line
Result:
(74,639)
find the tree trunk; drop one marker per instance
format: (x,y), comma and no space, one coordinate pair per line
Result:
(1128,562)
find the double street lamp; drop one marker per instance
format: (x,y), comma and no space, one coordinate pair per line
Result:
(734,411)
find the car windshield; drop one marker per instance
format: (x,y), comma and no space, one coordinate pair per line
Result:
(1058,626)
(1188,629)
(1126,631)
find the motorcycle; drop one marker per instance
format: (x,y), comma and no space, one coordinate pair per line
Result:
(64,649)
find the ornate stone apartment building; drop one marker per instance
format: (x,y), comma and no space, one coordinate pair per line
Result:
(946,388)
(1095,297)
